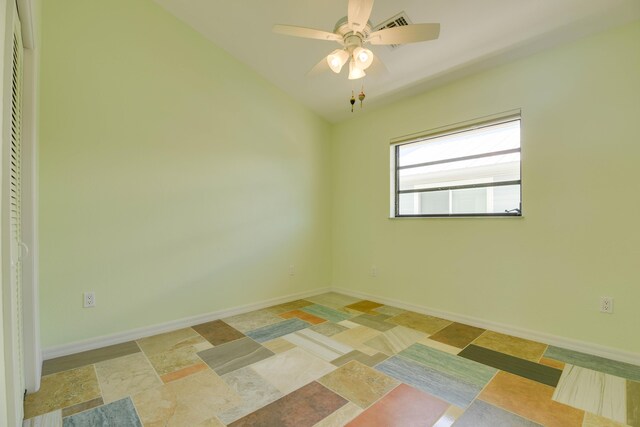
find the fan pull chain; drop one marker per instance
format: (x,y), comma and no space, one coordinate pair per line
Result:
(352,100)
(361,96)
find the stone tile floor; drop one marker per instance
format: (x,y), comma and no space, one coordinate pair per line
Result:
(333,360)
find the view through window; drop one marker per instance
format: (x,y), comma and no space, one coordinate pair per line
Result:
(469,171)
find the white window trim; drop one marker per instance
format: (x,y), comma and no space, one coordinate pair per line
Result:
(503,117)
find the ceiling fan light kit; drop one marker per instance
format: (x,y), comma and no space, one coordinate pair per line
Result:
(353,32)
(337,59)
(355,72)
(363,57)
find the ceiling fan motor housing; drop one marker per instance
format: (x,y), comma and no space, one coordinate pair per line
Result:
(351,39)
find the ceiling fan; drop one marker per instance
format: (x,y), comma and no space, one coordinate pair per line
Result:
(354,31)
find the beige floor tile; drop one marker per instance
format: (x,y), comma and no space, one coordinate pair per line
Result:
(253,320)
(184,372)
(211,422)
(173,351)
(361,357)
(395,340)
(420,322)
(349,324)
(341,417)
(389,310)
(292,369)
(359,383)
(200,345)
(439,346)
(51,419)
(180,358)
(317,344)
(63,389)
(125,376)
(255,392)
(356,338)
(514,346)
(333,300)
(169,341)
(328,329)
(593,420)
(288,306)
(279,345)
(186,402)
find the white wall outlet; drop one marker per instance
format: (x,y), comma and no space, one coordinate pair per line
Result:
(374,271)
(292,270)
(606,305)
(89,299)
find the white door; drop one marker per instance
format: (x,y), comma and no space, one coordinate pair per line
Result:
(11,215)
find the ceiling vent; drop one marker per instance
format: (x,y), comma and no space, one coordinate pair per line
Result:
(399,20)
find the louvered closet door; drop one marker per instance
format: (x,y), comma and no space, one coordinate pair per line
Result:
(17,248)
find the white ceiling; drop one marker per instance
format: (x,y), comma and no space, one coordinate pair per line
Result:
(474,34)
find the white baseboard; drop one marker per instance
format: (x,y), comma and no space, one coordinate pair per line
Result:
(557,341)
(134,334)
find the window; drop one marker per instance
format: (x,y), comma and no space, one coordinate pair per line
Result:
(469,170)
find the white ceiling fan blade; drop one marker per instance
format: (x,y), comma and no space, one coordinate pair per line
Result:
(377,68)
(308,33)
(319,68)
(405,34)
(358,13)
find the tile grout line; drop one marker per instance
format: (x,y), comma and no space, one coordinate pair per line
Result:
(95,371)
(381,397)
(345,398)
(101,397)
(507,410)
(340,310)
(497,406)
(93,363)
(151,365)
(546,347)
(135,409)
(477,397)
(129,396)
(97,382)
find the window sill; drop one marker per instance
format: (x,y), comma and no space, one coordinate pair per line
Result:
(454,216)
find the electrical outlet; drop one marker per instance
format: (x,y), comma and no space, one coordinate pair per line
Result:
(374,271)
(606,305)
(292,270)
(89,299)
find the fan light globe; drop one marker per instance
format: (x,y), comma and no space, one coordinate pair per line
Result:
(363,57)
(355,72)
(337,59)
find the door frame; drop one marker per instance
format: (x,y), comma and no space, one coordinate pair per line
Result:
(11,408)
(28,12)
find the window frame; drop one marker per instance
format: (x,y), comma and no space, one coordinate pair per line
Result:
(396,143)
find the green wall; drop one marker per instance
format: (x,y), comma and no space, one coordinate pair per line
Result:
(579,238)
(173,180)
